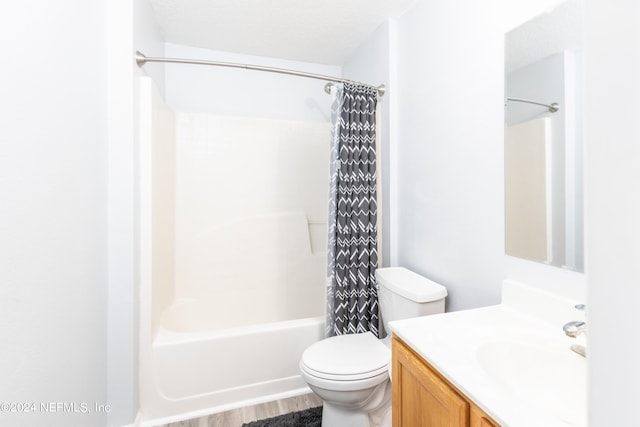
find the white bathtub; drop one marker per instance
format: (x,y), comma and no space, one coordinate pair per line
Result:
(195,371)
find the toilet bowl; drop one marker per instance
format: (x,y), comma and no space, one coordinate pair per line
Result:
(351,372)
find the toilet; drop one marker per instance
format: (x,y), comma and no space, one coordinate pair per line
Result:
(351,373)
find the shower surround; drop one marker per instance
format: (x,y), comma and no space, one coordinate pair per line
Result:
(232,257)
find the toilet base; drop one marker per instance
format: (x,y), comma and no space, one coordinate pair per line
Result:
(335,416)
(374,413)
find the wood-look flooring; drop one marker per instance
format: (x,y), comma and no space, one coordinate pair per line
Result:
(236,417)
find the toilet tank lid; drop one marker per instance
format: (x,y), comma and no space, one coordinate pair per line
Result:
(410,285)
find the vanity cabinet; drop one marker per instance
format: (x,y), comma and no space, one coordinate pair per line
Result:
(423,398)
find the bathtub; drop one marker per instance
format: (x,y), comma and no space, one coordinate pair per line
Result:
(196,370)
(230,293)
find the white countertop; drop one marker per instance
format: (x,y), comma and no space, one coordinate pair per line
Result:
(483,351)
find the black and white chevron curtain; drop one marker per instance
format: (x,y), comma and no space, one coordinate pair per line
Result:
(352,297)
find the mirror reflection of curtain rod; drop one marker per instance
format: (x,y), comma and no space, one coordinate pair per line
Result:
(552,108)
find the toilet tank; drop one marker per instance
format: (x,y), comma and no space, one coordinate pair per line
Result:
(403,294)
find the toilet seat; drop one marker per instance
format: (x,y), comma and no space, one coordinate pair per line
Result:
(351,357)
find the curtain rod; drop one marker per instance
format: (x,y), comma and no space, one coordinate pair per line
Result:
(553,107)
(142,59)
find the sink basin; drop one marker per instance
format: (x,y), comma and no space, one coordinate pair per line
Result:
(547,375)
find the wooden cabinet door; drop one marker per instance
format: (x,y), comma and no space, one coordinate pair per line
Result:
(420,397)
(480,419)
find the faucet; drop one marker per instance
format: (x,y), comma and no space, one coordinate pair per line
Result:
(575,328)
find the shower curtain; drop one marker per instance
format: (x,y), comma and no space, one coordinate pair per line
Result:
(352,297)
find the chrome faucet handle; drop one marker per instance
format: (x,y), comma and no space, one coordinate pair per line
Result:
(575,328)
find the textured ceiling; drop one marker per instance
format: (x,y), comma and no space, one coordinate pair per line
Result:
(317,31)
(545,35)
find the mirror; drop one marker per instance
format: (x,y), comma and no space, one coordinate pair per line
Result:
(543,147)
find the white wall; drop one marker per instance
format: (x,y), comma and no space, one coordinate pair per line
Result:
(121,387)
(450,148)
(53,220)
(613,207)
